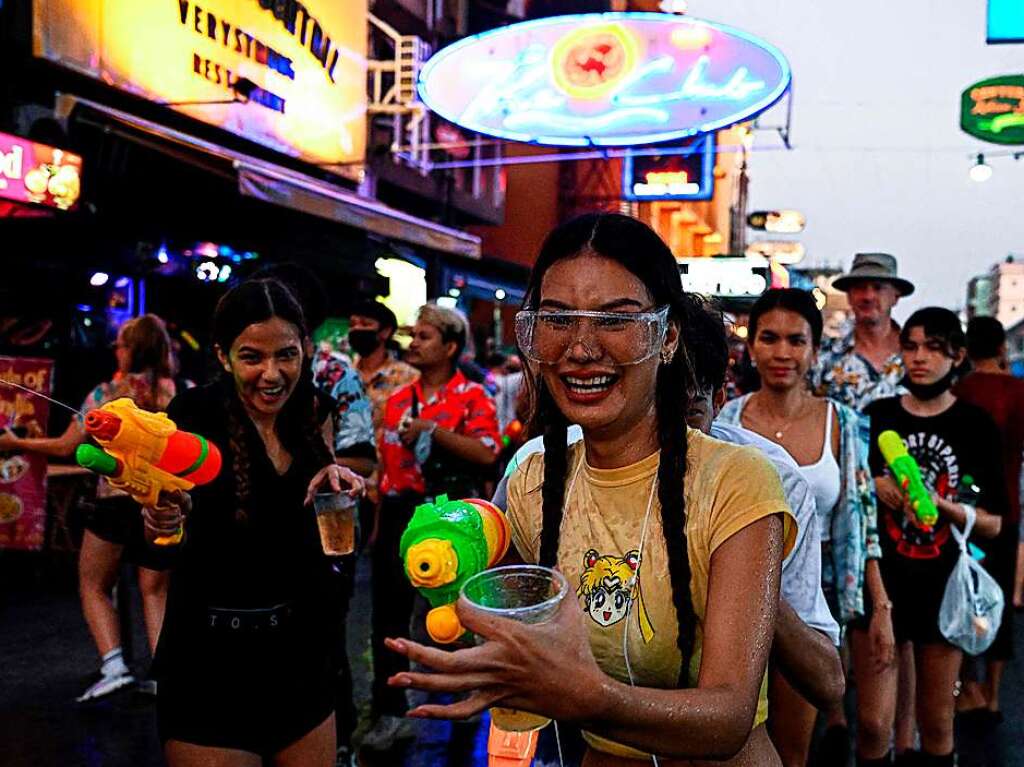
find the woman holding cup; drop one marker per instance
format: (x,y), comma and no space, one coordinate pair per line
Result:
(671,541)
(245,659)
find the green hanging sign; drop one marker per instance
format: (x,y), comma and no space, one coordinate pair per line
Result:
(993,110)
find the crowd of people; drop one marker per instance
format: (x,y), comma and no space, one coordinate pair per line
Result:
(735,563)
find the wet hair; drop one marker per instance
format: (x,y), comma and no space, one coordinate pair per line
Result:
(297,424)
(708,346)
(791,299)
(639,250)
(149,352)
(375,310)
(940,324)
(985,338)
(449,322)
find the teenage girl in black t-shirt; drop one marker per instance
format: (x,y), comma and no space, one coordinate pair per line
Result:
(951,441)
(245,659)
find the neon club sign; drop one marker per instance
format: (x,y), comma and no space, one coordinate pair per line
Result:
(604,79)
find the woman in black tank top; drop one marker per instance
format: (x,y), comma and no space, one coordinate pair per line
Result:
(245,663)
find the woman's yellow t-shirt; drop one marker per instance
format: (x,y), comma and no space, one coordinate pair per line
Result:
(727,487)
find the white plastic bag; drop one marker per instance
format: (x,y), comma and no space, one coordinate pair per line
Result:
(972,607)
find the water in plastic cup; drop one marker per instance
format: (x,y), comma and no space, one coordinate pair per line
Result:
(525,593)
(336,518)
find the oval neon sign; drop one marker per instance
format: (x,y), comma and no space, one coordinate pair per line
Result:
(604,79)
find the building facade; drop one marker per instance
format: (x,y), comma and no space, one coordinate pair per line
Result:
(998,293)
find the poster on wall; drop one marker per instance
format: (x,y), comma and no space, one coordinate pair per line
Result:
(288,75)
(23,475)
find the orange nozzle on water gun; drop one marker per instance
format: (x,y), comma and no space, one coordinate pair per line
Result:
(145,453)
(511,749)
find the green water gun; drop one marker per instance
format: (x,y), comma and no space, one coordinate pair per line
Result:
(446,543)
(908,475)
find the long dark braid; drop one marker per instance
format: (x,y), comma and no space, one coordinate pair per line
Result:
(556,455)
(238,443)
(642,252)
(670,406)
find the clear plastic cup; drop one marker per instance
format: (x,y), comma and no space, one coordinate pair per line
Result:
(336,518)
(524,593)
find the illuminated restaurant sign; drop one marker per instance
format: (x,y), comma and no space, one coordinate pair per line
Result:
(37,173)
(993,110)
(606,79)
(777,221)
(684,174)
(788,252)
(286,74)
(725,276)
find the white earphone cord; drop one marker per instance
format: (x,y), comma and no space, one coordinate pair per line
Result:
(631,584)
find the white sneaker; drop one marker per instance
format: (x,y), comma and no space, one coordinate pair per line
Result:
(105,685)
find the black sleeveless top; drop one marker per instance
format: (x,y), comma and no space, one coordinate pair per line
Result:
(247,597)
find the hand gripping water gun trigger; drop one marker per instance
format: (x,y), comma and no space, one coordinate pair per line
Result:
(908,475)
(144,453)
(446,543)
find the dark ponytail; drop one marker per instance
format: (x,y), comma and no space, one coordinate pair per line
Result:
(298,423)
(642,252)
(556,455)
(671,403)
(238,444)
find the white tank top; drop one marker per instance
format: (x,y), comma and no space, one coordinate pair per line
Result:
(823,477)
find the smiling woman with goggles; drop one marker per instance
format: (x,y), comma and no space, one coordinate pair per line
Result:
(628,338)
(624,513)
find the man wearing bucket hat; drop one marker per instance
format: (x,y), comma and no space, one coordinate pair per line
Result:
(865,365)
(856,369)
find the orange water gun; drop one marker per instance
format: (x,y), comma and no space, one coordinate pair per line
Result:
(144,453)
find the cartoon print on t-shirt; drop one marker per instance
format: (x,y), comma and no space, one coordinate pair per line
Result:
(609,585)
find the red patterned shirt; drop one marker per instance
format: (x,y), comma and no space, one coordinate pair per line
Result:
(459,406)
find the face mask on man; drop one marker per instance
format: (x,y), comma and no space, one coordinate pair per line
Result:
(363,341)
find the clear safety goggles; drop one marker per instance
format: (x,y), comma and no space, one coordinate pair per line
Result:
(628,338)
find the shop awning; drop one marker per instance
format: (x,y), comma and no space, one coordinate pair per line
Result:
(282,186)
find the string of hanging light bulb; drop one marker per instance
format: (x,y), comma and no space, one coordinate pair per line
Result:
(981,170)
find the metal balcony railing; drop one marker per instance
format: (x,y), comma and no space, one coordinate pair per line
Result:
(393,98)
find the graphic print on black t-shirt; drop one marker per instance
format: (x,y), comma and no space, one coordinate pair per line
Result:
(960,442)
(940,471)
